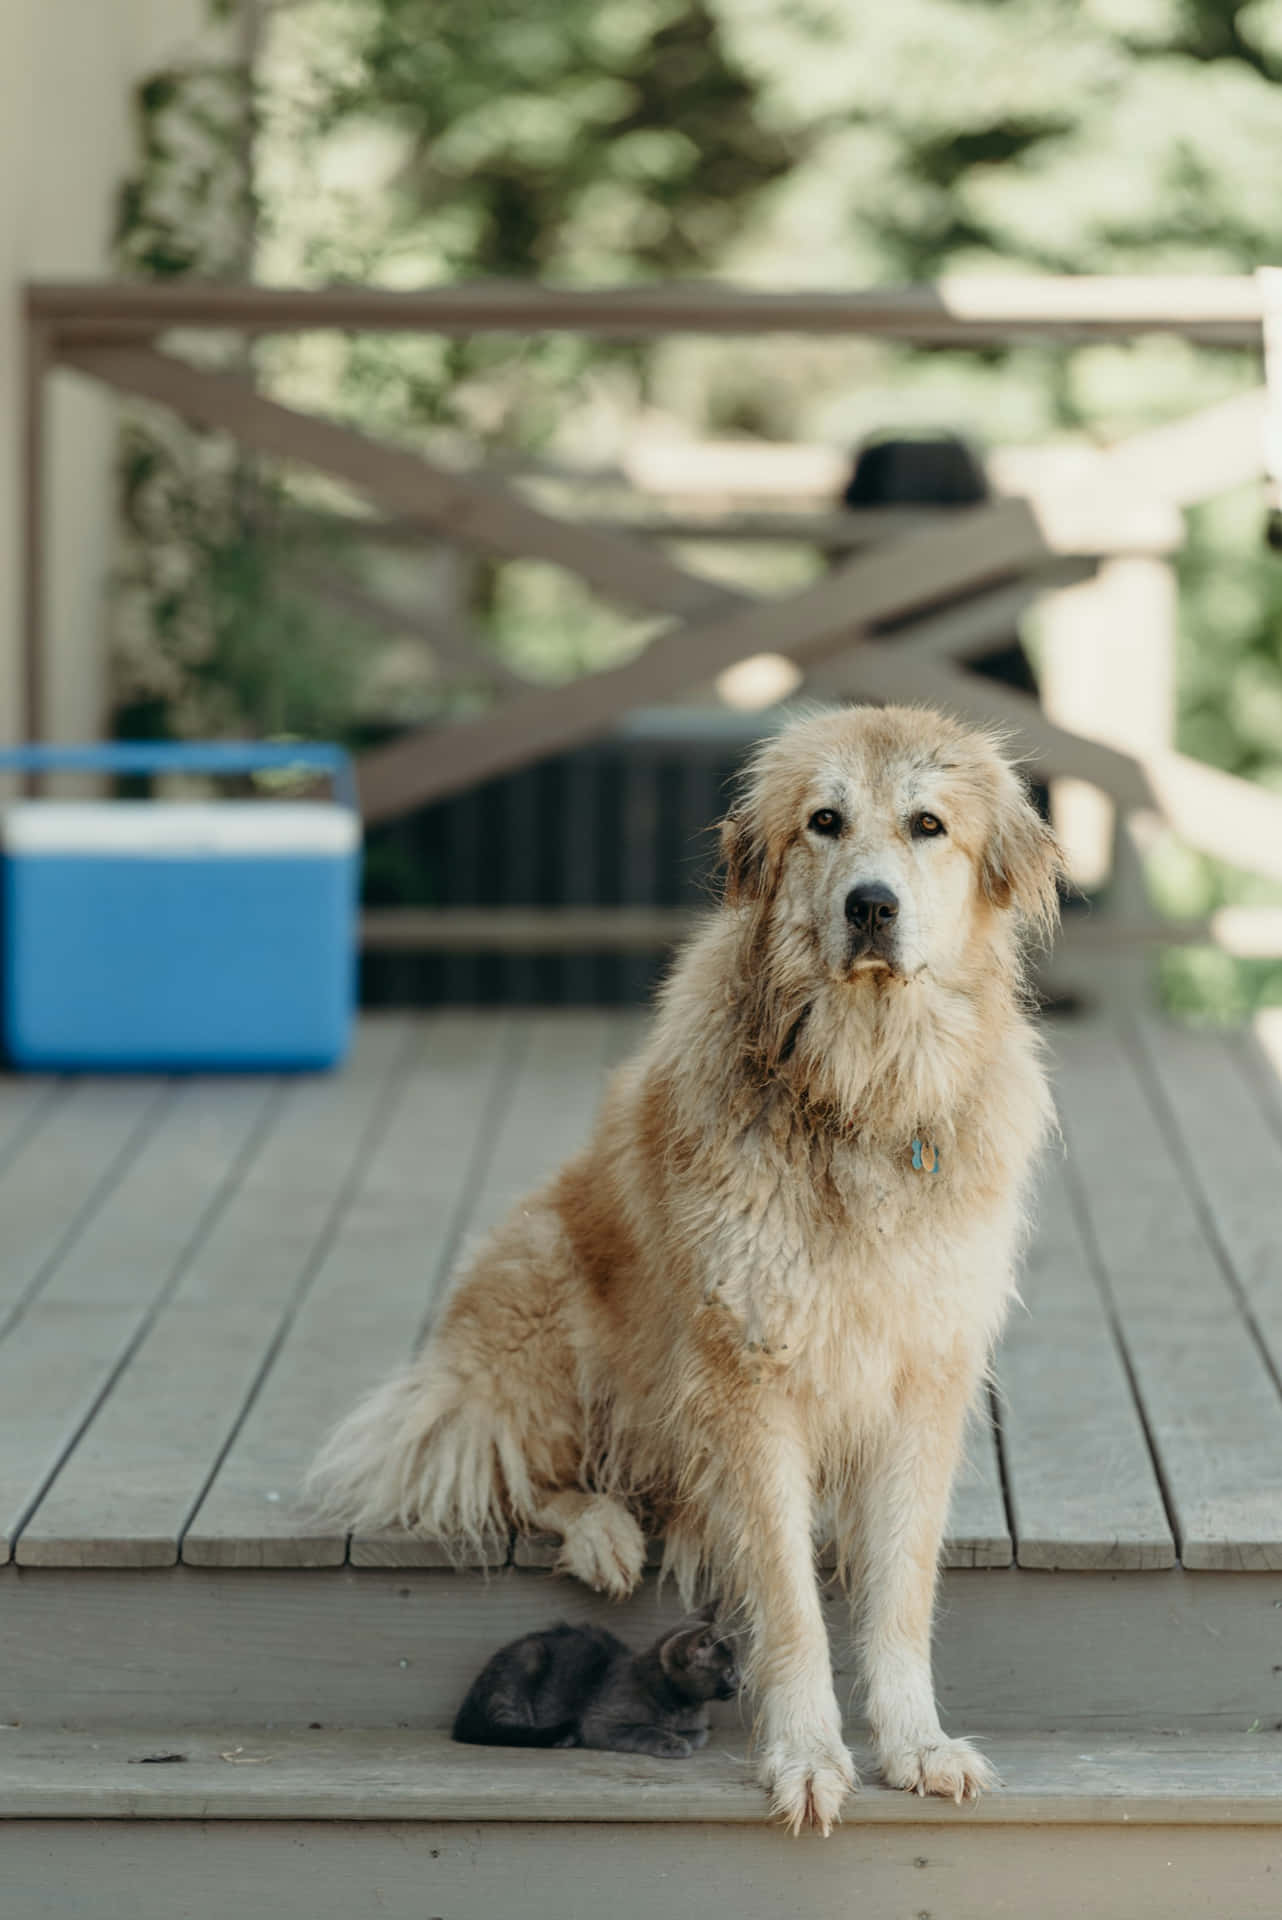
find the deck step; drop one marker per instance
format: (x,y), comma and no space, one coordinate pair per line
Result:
(252,1773)
(1014,1651)
(330,1823)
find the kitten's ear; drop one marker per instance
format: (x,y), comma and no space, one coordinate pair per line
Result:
(710,1612)
(669,1648)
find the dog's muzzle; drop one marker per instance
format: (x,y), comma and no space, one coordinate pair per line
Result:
(871,914)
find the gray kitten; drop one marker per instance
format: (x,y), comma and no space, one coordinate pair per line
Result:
(581,1687)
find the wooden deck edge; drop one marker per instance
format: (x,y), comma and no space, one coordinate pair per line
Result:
(86,1554)
(1095,1556)
(395,1548)
(269,1774)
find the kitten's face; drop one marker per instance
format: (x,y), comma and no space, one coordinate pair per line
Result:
(701,1663)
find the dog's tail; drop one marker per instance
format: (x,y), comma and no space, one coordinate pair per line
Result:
(424,1452)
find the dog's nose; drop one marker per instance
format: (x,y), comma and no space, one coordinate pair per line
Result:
(870,908)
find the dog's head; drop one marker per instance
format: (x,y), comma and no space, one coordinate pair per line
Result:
(886,842)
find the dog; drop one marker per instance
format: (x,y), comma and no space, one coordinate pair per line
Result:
(768,1288)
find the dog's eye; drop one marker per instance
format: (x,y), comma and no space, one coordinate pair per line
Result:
(827,821)
(927,825)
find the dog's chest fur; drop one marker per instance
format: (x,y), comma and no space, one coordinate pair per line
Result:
(833,1259)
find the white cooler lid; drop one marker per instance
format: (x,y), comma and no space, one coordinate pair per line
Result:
(207,827)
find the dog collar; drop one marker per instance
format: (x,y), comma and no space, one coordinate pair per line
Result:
(925,1156)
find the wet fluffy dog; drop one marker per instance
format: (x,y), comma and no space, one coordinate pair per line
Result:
(768,1287)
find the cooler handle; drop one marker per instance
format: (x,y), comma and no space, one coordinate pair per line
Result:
(178,756)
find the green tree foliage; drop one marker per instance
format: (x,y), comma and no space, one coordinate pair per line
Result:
(560,138)
(567,140)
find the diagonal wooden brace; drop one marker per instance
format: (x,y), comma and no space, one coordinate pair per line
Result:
(719,626)
(471,509)
(1223,816)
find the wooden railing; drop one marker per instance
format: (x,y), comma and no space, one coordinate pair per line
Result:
(944,581)
(1223,310)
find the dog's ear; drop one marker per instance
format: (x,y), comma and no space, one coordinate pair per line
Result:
(743,853)
(1022,863)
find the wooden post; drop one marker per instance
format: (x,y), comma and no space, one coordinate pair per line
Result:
(34,700)
(1108,672)
(1269,281)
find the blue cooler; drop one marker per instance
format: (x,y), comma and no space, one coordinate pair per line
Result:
(177,936)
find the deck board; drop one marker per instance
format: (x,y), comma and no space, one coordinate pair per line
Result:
(1082,1484)
(62,1171)
(979,1533)
(131,1485)
(363,1308)
(1233,1161)
(65,1350)
(1212,1409)
(549,1108)
(250,1773)
(197,1277)
(24,1104)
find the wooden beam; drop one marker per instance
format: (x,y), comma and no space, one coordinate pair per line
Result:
(473,510)
(1090,522)
(1108,523)
(968,310)
(1269,281)
(894,674)
(1191,459)
(1107,671)
(968,629)
(1083,509)
(976,547)
(524,929)
(840,531)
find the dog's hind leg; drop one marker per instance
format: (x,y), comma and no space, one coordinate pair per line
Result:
(601,1543)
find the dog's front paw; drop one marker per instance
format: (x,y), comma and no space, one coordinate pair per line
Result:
(808,1779)
(950,1768)
(604,1547)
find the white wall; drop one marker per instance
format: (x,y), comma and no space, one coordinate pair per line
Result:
(67,73)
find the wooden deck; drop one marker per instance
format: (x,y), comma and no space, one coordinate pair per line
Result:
(196,1275)
(205,1700)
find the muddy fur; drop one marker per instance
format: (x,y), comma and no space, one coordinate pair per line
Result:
(740,1308)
